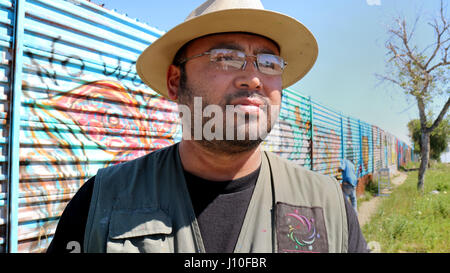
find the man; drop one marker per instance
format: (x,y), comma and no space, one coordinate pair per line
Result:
(216,190)
(349,181)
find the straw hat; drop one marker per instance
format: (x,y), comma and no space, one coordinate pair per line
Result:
(298,46)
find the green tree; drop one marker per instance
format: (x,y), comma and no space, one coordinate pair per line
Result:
(439,138)
(422,74)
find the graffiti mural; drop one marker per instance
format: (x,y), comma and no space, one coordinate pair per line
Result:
(377,151)
(365,151)
(349,143)
(102,120)
(72,134)
(404,154)
(290,137)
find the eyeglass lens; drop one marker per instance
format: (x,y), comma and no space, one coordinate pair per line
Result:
(234,59)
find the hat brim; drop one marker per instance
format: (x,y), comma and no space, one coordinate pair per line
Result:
(297,44)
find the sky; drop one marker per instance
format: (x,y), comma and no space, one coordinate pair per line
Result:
(351,35)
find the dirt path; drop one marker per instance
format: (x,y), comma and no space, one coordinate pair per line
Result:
(367,209)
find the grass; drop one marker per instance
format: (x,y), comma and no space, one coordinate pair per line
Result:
(408,221)
(412,165)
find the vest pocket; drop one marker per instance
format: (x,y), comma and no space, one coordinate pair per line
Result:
(140,231)
(300,229)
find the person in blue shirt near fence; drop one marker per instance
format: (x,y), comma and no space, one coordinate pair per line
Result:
(349,181)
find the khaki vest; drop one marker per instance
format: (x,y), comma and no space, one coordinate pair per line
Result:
(144,206)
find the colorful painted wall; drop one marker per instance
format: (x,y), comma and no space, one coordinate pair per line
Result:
(318,137)
(71,103)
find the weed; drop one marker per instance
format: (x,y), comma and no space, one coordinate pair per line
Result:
(442,186)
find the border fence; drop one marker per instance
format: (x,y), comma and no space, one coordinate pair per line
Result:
(71,103)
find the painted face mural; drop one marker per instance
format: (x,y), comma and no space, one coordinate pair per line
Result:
(66,136)
(112,117)
(100,122)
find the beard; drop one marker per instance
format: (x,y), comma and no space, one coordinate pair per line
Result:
(231,130)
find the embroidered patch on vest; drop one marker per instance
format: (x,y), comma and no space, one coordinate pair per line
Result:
(300,229)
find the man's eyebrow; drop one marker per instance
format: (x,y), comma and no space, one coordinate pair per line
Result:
(227,46)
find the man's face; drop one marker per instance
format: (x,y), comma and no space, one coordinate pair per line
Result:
(250,93)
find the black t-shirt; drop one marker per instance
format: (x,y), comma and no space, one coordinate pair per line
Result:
(220,208)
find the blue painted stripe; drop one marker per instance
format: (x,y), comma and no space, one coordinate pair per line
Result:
(14,134)
(73,28)
(95,30)
(111,19)
(296,94)
(5,3)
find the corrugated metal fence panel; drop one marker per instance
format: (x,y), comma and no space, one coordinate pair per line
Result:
(327,151)
(6,33)
(384,149)
(393,150)
(377,151)
(83,107)
(390,152)
(403,153)
(290,137)
(351,140)
(366,148)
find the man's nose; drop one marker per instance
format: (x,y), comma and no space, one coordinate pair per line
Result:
(249,77)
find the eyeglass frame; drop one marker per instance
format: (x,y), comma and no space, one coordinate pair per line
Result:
(255,62)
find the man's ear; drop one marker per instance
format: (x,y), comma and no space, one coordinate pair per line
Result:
(173,81)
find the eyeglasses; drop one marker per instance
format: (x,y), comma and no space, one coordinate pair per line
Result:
(231,59)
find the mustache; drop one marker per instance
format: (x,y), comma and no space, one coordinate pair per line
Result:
(246,94)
